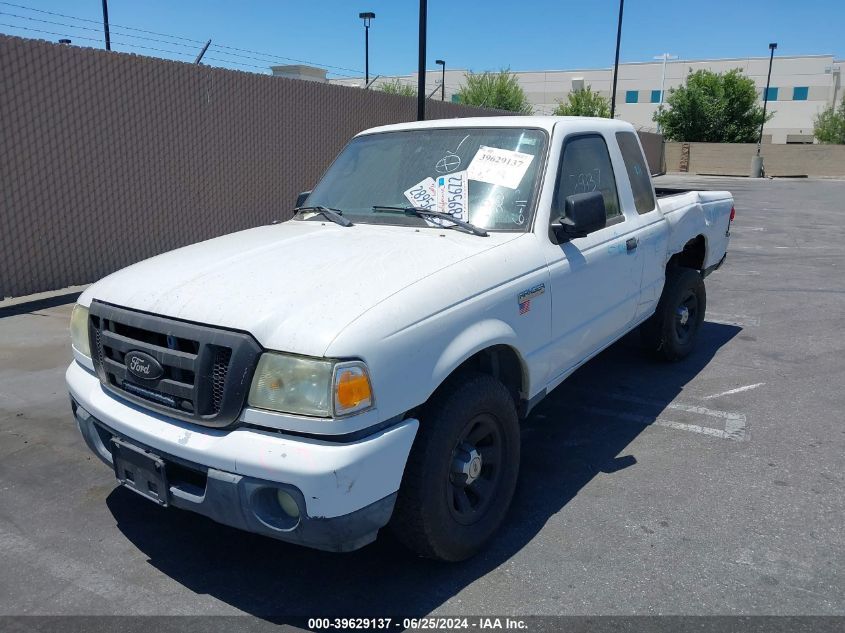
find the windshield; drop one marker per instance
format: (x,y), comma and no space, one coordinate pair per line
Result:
(486,176)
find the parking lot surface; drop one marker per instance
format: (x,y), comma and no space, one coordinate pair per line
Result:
(710,486)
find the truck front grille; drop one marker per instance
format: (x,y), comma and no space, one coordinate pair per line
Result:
(200,373)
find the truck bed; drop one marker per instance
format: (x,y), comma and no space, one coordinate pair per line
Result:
(694,213)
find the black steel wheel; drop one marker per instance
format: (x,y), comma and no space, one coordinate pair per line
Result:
(476,469)
(462,470)
(673,329)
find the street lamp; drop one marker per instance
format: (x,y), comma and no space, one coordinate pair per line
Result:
(616,62)
(665,57)
(757,161)
(772,48)
(442,65)
(367,16)
(421,62)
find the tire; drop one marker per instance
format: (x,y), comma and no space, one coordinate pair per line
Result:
(672,330)
(462,470)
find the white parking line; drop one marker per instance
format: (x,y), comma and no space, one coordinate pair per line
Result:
(737,390)
(734,428)
(732,319)
(649,421)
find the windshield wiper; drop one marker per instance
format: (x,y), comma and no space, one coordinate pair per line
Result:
(422,212)
(335,215)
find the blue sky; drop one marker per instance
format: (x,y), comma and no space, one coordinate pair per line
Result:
(470,34)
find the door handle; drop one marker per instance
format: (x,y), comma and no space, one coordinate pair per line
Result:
(631,244)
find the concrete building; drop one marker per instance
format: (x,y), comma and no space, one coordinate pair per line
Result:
(300,71)
(801,86)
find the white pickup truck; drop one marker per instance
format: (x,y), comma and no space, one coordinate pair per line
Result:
(368,362)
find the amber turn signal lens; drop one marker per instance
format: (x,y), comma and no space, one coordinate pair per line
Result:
(352,390)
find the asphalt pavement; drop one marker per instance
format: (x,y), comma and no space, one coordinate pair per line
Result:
(709,486)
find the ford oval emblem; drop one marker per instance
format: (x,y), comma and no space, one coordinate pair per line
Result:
(143,365)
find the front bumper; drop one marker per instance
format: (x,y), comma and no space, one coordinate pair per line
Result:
(344,492)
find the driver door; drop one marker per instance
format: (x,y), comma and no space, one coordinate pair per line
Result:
(595,280)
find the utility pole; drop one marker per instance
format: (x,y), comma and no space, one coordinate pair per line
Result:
(421,65)
(757,161)
(616,62)
(665,57)
(106,24)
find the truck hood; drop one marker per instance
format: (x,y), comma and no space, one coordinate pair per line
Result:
(294,286)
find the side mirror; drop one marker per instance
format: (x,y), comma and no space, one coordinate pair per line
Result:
(301,198)
(583,214)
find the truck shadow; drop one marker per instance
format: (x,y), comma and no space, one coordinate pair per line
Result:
(567,441)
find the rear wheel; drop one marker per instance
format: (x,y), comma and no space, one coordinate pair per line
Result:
(672,330)
(462,470)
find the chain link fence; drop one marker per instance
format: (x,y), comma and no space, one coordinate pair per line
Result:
(110,158)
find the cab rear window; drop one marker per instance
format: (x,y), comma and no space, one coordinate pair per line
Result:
(637,171)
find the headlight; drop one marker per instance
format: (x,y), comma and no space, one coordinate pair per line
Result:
(79,330)
(310,386)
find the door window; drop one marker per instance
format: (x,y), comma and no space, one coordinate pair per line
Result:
(586,167)
(637,171)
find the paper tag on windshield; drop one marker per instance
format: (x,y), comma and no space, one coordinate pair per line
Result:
(497,166)
(453,194)
(423,194)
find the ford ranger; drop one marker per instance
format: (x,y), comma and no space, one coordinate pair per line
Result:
(367,363)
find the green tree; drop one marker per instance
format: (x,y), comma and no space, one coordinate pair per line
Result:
(584,102)
(396,87)
(499,90)
(713,108)
(829,126)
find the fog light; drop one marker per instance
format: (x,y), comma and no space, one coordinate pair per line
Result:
(287,503)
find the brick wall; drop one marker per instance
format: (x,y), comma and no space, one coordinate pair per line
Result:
(734,159)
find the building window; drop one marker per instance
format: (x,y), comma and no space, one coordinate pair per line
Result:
(799,93)
(632,96)
(772,94)
(655,96)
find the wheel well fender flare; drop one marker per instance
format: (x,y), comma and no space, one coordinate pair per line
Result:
(478,337)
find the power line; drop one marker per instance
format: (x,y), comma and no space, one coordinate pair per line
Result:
(73,17)
(130,45)
(88,28)
(269,57)
(93,39)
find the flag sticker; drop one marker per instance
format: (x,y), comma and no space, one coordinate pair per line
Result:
(524,298)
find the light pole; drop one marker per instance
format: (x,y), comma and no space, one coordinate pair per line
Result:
(772,48)
(442,65)
(421,63)
(665,57)
(367,16)
(757,161)
(106,24)
(616,62)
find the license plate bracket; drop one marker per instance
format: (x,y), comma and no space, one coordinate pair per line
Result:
(140,470)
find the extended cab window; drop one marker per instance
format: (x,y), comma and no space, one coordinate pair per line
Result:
(637,171)
(586,167)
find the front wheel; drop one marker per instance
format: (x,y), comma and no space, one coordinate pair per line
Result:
(462,470)
(672,330)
